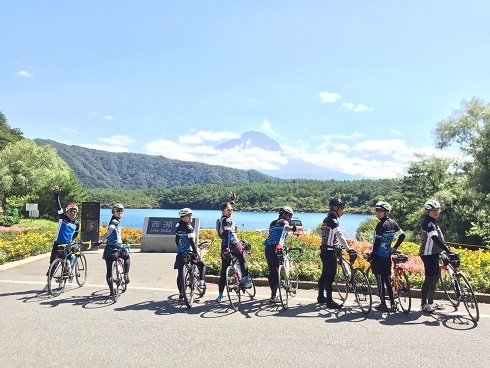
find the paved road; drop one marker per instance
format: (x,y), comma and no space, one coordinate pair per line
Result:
(148,327)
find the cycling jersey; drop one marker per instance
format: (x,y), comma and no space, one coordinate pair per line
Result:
(184,238)
(114,233)
(432,238)
(226,229)
(67,229)
(331,234)
(385,232)
(277,233)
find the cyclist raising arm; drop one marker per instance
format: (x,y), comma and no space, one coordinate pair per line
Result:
(226,229)
(380,256)
(432,246)
(68,227)
(332,239)
(278,232)
(113,239)
(184,239)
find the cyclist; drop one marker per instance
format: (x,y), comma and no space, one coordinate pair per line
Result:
(332,240)
(184,239)
(278,232)
(381,251)
(113,239)
(68,227)
(432,246)
(226,229)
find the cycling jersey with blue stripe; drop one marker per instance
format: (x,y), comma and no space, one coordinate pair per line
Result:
(277,233)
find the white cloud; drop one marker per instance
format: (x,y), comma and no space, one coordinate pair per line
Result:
(108,117)
(266,125)
(25,74)
(329,97)
(358,108)
(70,130)
(395,132)
(118,140)
(204,136)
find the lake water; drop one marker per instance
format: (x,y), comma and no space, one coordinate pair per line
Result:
(134,218)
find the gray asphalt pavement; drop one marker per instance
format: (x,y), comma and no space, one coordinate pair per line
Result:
(149,327)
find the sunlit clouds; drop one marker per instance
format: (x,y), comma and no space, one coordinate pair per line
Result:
(24,74)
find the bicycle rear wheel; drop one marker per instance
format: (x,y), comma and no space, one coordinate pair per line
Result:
(233,287)
(200,290)
(449,288)
(293,277)
(57,277)
(252,290)
(362,291)
(283,287)
(81,269)
(188,285)
(122,282)
(115,282)
(468,297)
(403,291)
(341,280)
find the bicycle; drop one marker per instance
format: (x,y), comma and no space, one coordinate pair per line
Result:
(288,275)
(66,266)
(190,279)
(456,285)
(350,279)
(398,281)
(119,285)
(235,285)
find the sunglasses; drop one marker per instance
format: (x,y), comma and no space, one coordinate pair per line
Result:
(119,210)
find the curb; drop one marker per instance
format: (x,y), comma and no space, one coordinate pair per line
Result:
(21,262)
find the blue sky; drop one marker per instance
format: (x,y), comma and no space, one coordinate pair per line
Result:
(353,86)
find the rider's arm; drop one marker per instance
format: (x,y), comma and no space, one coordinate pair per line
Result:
(439,242)
(340,238)
(401,238)
(110,229)
(56,197)
(75,234)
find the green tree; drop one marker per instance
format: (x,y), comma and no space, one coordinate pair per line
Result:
(29,170)
(7,134)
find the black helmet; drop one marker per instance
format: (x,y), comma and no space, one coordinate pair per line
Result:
(336,202)
(286,209)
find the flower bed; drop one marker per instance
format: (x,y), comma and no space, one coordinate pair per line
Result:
(18,243)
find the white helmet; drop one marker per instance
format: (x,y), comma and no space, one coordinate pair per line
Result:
(286,209)
(184,212)
(384,206)
(117,206)
(432,205)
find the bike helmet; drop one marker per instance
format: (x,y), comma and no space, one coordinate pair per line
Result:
(336,202)
(71,207)
(117,206)
(286,209)
(184,212)
(432,205)
(385,206)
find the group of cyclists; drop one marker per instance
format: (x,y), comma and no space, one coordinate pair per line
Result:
(332,240)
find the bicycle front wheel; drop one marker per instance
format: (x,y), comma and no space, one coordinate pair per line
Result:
(342,278)
(200,290)
(468,297)
(115,282)
(293,277)
(403,291)
(57,277)
(81,269)
(449,288)
(233,287)
(362,291)
(252,290)
(188,285)
(283,287)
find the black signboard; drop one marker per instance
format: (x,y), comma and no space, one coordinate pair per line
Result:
(90,221)
(163,225)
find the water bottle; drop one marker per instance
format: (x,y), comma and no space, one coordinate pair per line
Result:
(72,260)
(286,263)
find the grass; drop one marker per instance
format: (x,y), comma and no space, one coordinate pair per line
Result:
(41,223)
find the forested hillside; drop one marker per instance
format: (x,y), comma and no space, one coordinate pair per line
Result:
(101,169)
(302,195)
